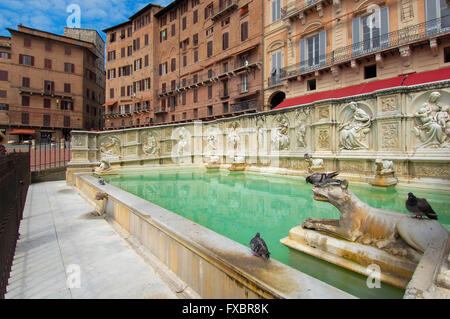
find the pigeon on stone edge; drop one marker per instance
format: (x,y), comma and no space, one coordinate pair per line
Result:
(259,247)
(420,207)
(101,181)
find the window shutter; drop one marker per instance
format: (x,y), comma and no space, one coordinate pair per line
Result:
(32,61)
(384,28)
(302,55)
(52,87)
(20,58)
(432,14)
(274,10)
(160,69)
(322,48)
(356,47)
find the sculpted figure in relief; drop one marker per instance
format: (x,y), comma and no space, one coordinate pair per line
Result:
(150,145)
(432,123)
(353,131)
(110,146)
(280,138)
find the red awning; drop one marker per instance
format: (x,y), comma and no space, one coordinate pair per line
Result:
(21,131)
(402,80)
(110,103)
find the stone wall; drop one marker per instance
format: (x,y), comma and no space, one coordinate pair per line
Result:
(409,126)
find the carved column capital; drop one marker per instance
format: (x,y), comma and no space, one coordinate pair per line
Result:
(405,53)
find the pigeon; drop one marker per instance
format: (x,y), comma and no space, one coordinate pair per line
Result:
(101,181)
(420,207)
(321,179)
(259,247)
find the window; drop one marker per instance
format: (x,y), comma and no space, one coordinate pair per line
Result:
(111,55)
(67,51)
(67,121)
(184,60)
(69,67)
(184,23)
(370,71)
(195,56)
(173,84)
(225,107)
(371,32)
(25,118)
(313,51)
(195,17)
(5,55)
(111,93)
(163,68)
(122,91)
(195,3)
(226,22)
(47,103)
(195,95)
(244,31)
(173,118)
(3,75)
(3,94)
(67,88)
(209,49)
(26,59)
(172,33)
(27,43)
(146,40)
(46,121)
(195,39)
(437,16)
(47,63)
(4,107)
(129,32)
(112,37)
(210,92)
(173,15)
(184,7)
(25,100)
(276,10)
(311,85)
(244,83)
(163,35)
(173,65)
(184,115)
(225,67)
(49,87)
(122,34)
(195,113)
(209,11)
(122,52)
(146,63)
(183,98)
(25,82)
(225,41)
(209,31)
(446,54)
(210,110)
(276,65)
(138,64)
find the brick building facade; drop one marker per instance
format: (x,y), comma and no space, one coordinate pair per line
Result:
(190,60)
(49,85)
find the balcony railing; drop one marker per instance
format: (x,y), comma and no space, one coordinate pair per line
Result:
(294,8)
(398,38)
(161,109)
(224,7)
(245,106)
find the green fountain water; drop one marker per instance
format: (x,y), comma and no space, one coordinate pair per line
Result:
(237,205)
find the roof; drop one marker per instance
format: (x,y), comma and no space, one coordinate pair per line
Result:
(132,17)
(398,81)
(168,8)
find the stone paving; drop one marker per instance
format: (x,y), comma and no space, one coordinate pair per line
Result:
(58,234)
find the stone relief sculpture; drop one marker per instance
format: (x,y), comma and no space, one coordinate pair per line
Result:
(150,145)
(301,116)
(212,143)
(233,138)
(354,129)
(432,123)
(78,140)
(104,167)
(280,135)
(314,165)
(394,232)
(183,144)
(110,146)
(260,127)
(385,174)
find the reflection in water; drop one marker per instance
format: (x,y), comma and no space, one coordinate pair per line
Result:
(237,205)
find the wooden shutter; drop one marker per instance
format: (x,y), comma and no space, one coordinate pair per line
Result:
(72,68)
(356,37)
(322,48)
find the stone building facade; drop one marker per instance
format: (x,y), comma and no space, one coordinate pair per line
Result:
(204,62)
(318,45)
(50,85)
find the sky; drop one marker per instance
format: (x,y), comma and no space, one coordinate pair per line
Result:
(51,15)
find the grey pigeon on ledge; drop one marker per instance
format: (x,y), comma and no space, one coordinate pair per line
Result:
(101,181)
(321,179)
(420,207)
(259,247)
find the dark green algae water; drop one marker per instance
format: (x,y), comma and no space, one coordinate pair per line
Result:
(237,205)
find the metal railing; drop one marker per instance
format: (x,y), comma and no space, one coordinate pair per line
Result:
(14,183)
(250,105)
(398,38)
(293,7)
(44,156)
